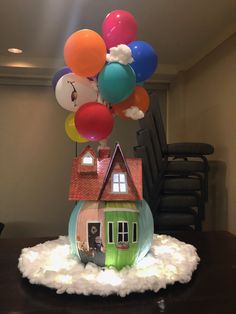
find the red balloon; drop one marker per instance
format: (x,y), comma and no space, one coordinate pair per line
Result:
(94,121)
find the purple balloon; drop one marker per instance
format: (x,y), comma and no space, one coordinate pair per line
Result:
(59,74)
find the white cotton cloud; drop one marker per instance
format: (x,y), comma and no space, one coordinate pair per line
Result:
(51,264)
(134,113)
(121,53)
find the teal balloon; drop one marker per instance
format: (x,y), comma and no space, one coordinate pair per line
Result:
(116,82)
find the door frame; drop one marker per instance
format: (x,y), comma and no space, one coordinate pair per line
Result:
(92,221)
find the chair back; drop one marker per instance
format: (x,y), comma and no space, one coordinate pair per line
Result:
(158,120)
(144,139)
(148,123)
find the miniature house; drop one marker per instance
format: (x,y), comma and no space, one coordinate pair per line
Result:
(105,225)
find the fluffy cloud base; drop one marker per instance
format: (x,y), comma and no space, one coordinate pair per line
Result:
(121,53)
(51,264)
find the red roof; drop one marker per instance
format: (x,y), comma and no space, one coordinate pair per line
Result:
(97,186)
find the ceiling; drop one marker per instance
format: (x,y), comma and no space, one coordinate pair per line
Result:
(181,32)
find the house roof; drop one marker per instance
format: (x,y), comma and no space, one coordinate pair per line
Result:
(87,149)
(91,186)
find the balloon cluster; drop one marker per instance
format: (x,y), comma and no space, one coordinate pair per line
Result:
(104,77)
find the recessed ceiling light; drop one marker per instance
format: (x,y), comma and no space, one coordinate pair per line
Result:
(15,50)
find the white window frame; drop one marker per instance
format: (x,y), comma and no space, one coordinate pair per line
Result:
(108,234)
(134,223)
(87,155)
(122,232)
(118,183)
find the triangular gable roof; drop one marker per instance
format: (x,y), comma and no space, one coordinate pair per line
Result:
(117,151)
(88,149)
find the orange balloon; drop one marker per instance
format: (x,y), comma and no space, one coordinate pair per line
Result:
(85,53)
(139,98)
(120,107)
(142,99)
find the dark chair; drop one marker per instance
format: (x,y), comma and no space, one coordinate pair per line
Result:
(165,207)
(175,175)
(185,151)
(178,182)
(193,170)
(183,165)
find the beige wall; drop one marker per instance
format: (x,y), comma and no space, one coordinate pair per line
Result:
(202,107)
(35,161)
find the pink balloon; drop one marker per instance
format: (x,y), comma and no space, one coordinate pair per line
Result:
(119,27)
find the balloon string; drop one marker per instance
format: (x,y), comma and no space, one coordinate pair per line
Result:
(76,146)
(76,155)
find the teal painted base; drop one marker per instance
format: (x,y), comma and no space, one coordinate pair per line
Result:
(118,254)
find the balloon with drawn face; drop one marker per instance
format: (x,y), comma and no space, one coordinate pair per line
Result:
(72,91)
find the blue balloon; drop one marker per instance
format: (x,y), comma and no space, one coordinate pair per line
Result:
(58,75)
(145,60)
(116,82)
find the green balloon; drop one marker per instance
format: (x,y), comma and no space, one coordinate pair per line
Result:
(116,82)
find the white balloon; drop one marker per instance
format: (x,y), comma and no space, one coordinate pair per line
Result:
(72,91)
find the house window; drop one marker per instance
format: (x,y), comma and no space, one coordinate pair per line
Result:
(122,234)
(135,232)
(87,159)
(110,232)
(119,184)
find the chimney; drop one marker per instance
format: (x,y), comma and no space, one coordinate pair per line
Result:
(104,152)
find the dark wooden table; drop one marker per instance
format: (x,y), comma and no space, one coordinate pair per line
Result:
(211,290)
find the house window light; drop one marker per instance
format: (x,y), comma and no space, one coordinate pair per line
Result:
(87,159)
(119,184)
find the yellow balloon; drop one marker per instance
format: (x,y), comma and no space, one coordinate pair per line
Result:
(71,130)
